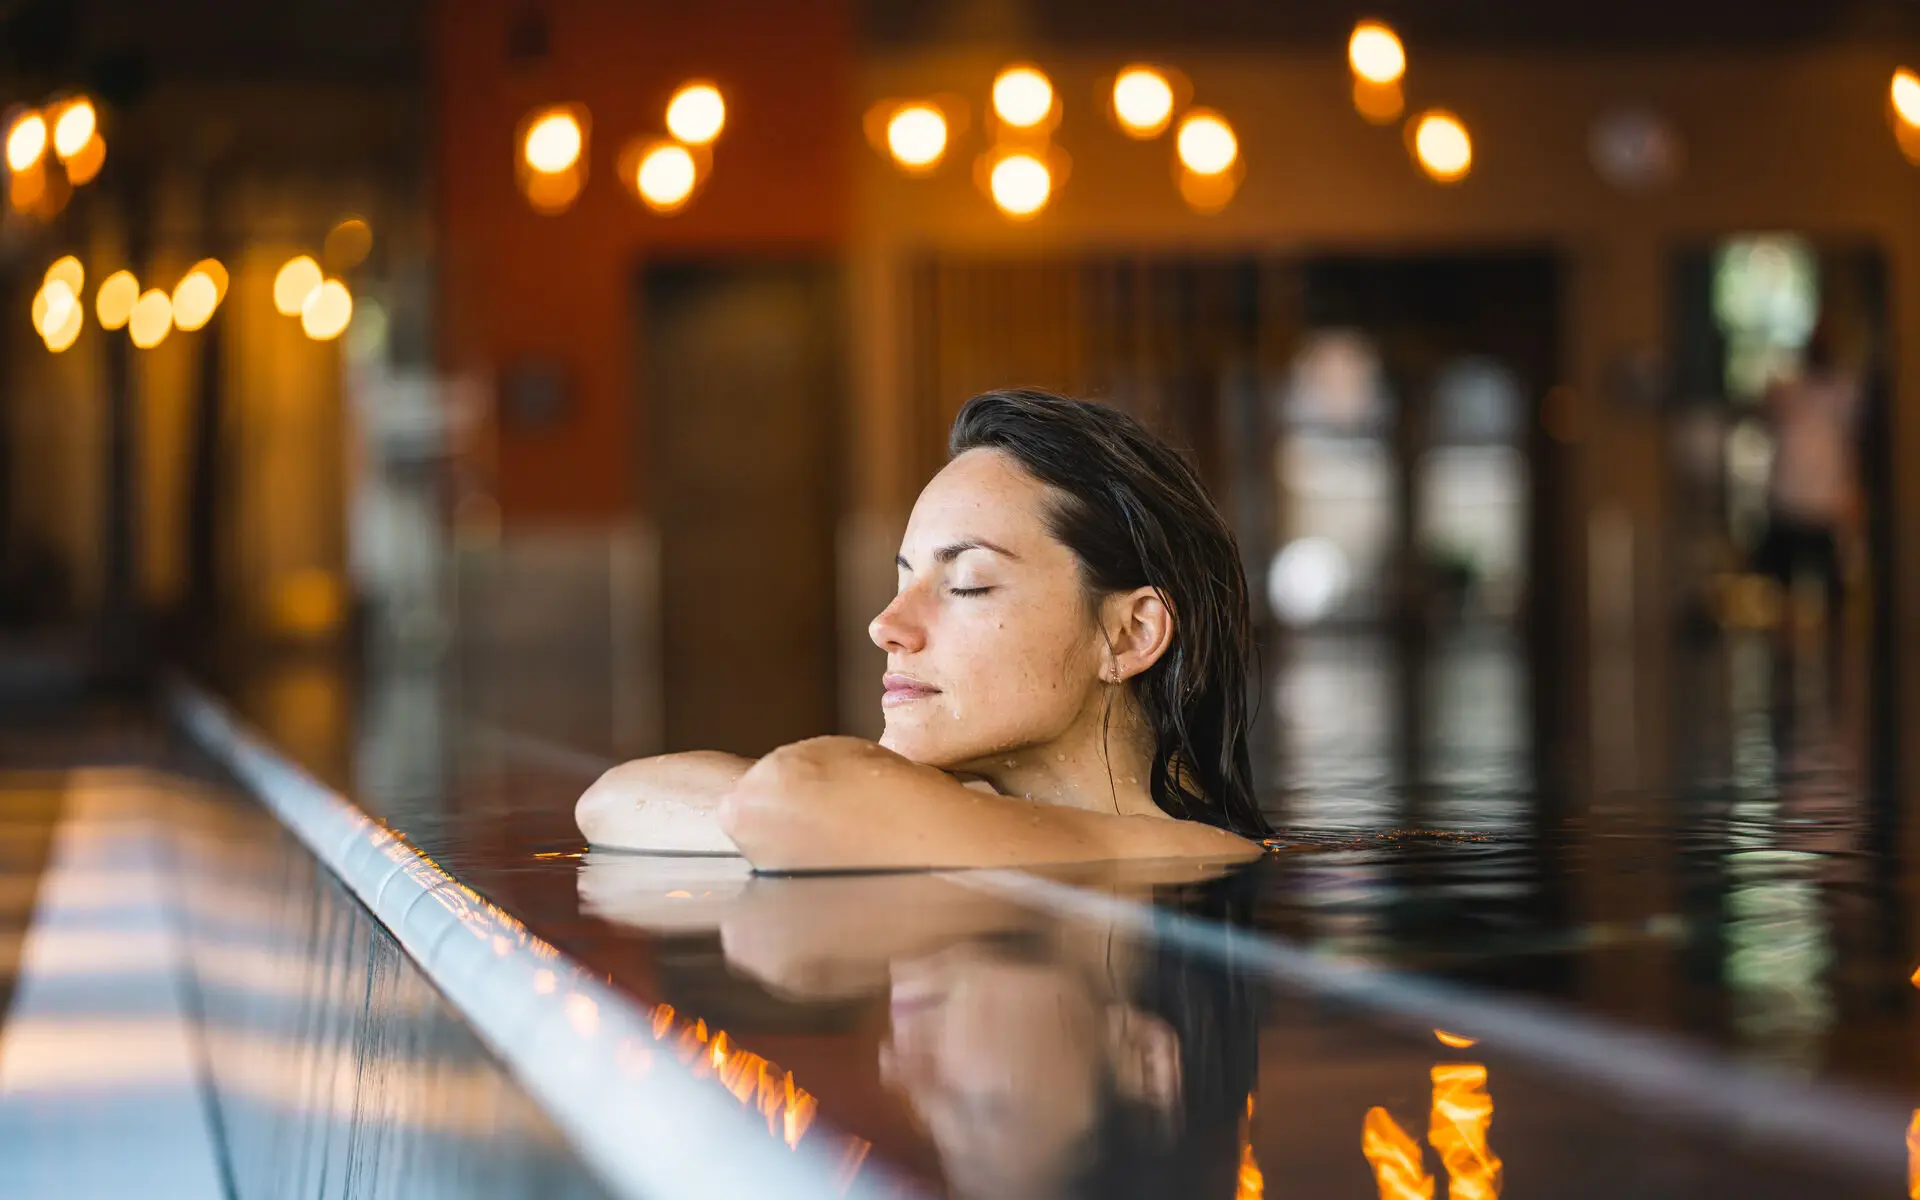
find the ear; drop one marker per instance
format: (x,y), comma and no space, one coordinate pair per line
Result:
(1145,1054)
(1139,629)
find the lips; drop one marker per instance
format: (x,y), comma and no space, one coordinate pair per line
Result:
(904,689)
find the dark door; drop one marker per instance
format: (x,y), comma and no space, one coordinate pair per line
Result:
(742,383)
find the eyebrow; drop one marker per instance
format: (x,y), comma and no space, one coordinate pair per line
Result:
(947,554)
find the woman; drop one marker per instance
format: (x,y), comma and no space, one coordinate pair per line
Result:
(1070,634)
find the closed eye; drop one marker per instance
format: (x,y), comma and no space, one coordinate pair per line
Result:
(972,591)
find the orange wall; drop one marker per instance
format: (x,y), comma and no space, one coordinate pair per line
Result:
(516,283)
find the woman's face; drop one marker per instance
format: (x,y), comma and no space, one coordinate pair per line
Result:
(990,645)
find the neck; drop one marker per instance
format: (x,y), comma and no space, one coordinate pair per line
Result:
(1100,766)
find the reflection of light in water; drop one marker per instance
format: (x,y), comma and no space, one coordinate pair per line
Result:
(1395,1158)
(1913,1157)
(1777,952)
(1253,1184)
(1462,1110)
(1307,580)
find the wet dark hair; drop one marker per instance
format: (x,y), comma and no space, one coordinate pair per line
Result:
(1213,1005)
(1135,515)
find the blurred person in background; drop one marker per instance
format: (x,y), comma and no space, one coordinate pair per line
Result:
(1813,495)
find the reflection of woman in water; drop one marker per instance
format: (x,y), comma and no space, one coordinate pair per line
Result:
(1043,1056)
(1049,1070)
(1071,632)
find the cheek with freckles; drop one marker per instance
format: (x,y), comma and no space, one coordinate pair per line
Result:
(1012,681)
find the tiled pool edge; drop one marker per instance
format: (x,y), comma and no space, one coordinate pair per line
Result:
(585,1052)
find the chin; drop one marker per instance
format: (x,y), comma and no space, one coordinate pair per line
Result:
(917,744)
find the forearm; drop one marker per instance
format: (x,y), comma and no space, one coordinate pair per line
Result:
(664,803)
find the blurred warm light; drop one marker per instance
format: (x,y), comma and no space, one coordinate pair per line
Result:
(26,189)
(666,177)
(1441,143)
(327,311)
(307,601)
(26,141)
(553,143)
(214,271)
(67,332)
(296,281)
(1380,103)
(1021,185)
(1457,1128)
(1456,1040)
(917,136)
(1142,101)
(68,268)
(53,304)
(696,114)
(1395,1157)
(118,294)
(194,299)
(1375,53)
(1208,193)
(552,193)
(1906,96)
(74,128)
(87,161)
(347,244)
(1206,142)
(1913,1156)
(152,319)
(1022,97)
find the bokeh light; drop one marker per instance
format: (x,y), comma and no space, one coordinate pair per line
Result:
(666,176)
(1142,101)
(554,193)
(295,282)
(1022,97)
(114,303)
(74,128)
(1441,144)
(1021,185)
(1375,53)
(1379,103)
(553,143)
(917,136)
(26,141)
(1206,143)
(347,244)
(53,304)
(696,114)
(152,319)
(194,299)
(327,311)
(87,161)
(67,332)
(67,268)
(1905,93)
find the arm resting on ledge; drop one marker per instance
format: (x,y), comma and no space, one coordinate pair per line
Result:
(841,803)
(663,804)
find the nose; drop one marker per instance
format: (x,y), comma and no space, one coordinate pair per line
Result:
(898,629)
